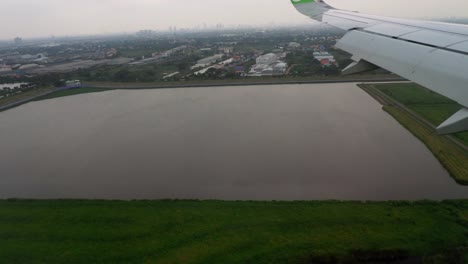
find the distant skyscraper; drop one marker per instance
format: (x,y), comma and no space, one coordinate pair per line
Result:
(18,41)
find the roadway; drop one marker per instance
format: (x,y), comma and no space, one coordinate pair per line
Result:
(29,99)
(243,83)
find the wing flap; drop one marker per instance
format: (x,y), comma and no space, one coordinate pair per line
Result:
(461,47)
(351,17)
(342,23)
(429,25)
(391,54)
(457,122)
(392,30)
(444,72)
(432,54)
(436,69)
(439,39)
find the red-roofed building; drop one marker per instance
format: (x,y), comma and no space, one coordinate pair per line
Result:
(325,62)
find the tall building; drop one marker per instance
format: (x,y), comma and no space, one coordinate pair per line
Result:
(18,41)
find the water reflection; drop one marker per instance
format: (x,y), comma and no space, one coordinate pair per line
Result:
(256,142)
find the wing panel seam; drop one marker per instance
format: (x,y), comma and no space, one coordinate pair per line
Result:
(396,23)
(325,14)
(416,42)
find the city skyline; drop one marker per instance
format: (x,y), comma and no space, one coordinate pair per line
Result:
(30,19)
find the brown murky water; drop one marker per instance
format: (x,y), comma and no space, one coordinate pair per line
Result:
(283,142)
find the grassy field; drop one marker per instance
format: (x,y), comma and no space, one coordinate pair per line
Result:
(71,92)
(433,108)
(123,85)
(430,105)
(21,96)
(231,232)
(243,80)
(453,158)
(92,87)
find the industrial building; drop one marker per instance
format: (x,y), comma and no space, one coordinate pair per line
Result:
(208,61)
(268,65)
(267,59)
(294,45)
(73,84)
(325,58)
(219,65)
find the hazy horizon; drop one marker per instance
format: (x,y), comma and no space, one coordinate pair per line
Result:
(32,18)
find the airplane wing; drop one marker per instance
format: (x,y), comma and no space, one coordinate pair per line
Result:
(432,54)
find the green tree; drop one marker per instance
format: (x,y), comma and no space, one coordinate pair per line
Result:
(183,66)
(122,75)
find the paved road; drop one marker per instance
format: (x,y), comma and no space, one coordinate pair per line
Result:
(29,99)
(208,84)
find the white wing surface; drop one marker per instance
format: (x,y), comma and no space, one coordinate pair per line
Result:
(432,54)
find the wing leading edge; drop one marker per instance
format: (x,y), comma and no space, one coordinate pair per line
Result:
(432,54)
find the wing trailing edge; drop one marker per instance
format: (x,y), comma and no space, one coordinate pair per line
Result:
(458,122)
(432,54)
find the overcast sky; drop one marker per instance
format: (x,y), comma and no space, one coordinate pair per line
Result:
(39,18)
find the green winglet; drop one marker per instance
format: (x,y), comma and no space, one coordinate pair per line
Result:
(296,2)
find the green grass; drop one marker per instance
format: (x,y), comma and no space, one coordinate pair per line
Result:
(241,80)
(93,87)
(452,157)
(135,53)
(430,105)
(72,92)
(435,113)
(413,94)
(225,232)
(25,95)
(435,109)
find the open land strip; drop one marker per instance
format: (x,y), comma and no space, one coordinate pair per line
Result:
(24,97)
(239,82)
(91,87)
(420,110)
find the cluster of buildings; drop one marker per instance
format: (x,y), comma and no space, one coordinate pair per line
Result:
(111,53)
(73,84)
(294,45)
(268,65)
(17,58)
(226,50)
(4,68)
(325,58)
(221,49)
(218,51)
(15,62)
